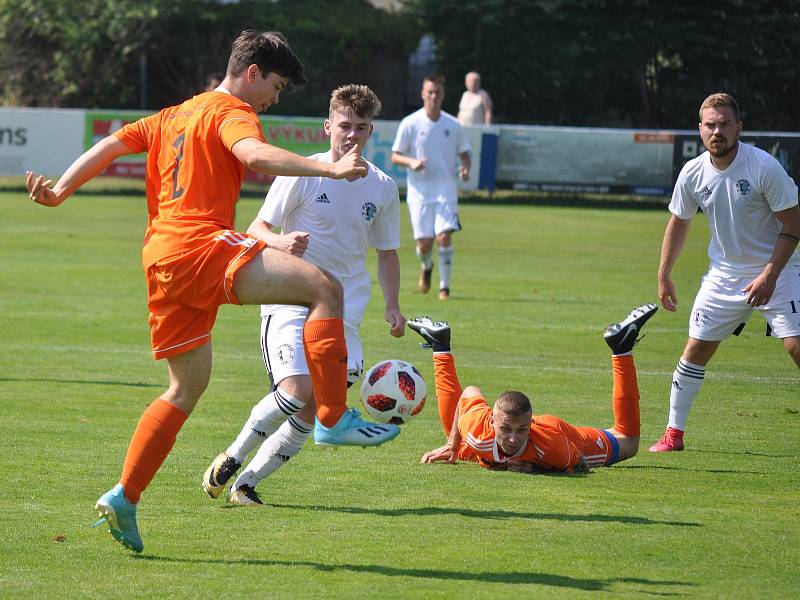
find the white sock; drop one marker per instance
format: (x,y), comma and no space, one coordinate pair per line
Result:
(265,418)
(445,266)
(275,452)
(426,260)
(686,381)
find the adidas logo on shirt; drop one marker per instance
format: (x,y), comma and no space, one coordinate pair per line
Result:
(323,198)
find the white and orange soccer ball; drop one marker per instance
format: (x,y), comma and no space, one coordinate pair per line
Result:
(393,391)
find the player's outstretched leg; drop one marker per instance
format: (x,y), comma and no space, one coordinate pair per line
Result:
(120,514)
(352,430)
(623,336)
(218,473)
(435,333)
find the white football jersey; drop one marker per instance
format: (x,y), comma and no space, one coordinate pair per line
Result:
(343,218)
(739,203)
(439,142)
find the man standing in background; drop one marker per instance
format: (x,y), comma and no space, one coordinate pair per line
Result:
(475,107)
(428,142)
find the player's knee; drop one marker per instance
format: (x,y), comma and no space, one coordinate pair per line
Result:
(331,290)
(792,345)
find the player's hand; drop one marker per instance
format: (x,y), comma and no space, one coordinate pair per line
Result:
(760,290)
(463,172)
(350,166)
(667,294)
(418,164)
(443,454)
(396,321)
(40,191)
(295,243)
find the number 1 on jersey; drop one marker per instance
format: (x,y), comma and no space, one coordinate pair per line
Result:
(178,143)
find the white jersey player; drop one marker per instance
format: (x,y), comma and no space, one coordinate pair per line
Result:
(752,210)
(428,143)
(331,224)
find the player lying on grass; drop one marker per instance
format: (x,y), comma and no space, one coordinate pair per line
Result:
(509,436)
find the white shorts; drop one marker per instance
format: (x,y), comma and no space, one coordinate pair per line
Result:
(432,218)
(721,308)
(282,346)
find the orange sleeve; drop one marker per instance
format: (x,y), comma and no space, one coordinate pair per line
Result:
(236,124)
(476,428)
(138,135)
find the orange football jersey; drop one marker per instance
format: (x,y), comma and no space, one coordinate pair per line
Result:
(193,178)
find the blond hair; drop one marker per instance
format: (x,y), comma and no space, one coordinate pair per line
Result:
(513,404)
(359,98)
(720,99)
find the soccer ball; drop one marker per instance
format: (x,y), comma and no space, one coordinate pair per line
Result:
(393,391)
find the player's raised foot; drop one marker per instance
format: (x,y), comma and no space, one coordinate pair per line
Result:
(424,284)
(218,473)
(120,514)
(444,293)
(435,333)
(622,337)
(244,495)
(671,441)
(352,430)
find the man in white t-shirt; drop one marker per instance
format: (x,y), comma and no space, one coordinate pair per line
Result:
(752,210)
(475,107)
(330,224)
(428,143)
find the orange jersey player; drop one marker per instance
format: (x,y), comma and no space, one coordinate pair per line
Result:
(195,261)
(509,436)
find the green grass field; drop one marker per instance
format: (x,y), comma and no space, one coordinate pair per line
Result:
(533,288)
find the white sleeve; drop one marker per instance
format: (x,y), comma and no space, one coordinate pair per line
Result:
(683,204)
(385,231)
(284,195)
(778,188)
(402,141)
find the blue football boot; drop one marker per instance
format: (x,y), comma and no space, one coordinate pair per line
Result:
(352,430)
(120,515)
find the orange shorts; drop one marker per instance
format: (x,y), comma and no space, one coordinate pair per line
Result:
(185,292)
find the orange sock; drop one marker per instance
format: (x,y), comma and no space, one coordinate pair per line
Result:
(625,396)
(326,355)
(150,444)
(448,388)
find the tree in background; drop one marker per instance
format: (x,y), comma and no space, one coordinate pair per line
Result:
(630,63)
(92,53)
(615,63)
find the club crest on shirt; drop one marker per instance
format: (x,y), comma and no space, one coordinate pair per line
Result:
(700,316)
(285,353)
(743,187)
(446,133)
(368,211)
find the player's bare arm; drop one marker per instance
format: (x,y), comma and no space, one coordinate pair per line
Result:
(271,160)
(90,164)
(674,239)
(294,242)
(466,165)
(389,280)
(760,290)
(449,452)
(415,164)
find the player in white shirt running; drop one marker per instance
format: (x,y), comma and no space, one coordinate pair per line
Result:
(428,142)
(331,224)
(752,210)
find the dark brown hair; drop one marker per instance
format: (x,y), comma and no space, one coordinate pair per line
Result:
(268,50)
